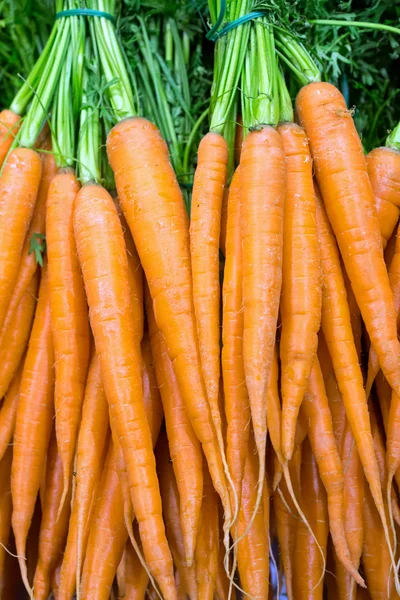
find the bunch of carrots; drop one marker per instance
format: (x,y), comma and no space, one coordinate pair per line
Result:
(194,391)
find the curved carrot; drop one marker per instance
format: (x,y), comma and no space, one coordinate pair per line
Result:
(355,315)
(336,326)
(34,421)
(301,281)
(91,447)
(237,407)
(153,206)
(205,226)
(151,390)
(335,400)
(19,186)
(28,264)
(69,318)
(8,411)
(342,175)
(173,520)
(253,548)
(108,292)
(184,446)
(308,565)
(5,505)
(262,192)
(16,335)
(54,525)
(320,433)
(384,174)
(9,125)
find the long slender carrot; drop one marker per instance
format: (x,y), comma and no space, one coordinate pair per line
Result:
(237,407)
(335,400)
(54,525)
(28,264)
(5,505)
(32,548)
(173,520)
(56,579)
(19,186)
(184,446)
(136,578)
(151,390)
(341,172)
(308,565)
(384,174)
(301,282)
(69,318)
(8,411)
(153,205)
(274,413)
(108,292)
(336,326)
(205,226)
(33,425)
(224,220)
(222,583)
(17,335)
(355,314)
(261,212)
(91,447)
(320,433)
(9,125)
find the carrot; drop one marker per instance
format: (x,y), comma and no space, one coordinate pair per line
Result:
(355,314)
(107,537)
(238,138)
(68,317)
(222,583)
(274,413)
(224,221)
(184,446)
(237,407)
(34,421)
(29,264)
(56,579)
(301,282)
(151,390)
(54,525)
(384,174)
(308,565)
(336,326)
(107,288)
(32,549)
(334,396)
(342,175)
(91,447)
(8,411)
(153,206)
(320,433)
(253,548)
(16,335)
(205,226)
(173,521)
(9,125)
(261,214)
(5,505)
(19,186)
(136,578)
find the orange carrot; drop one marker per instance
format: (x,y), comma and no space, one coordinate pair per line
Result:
(153,206)
(108,292)
(261,212)
(308,565)
(136,578)
(54,525)
(68,317)
(301,282)
(237,407)
(184,446)
(9,125)
(334,396)
(56,579)
(151,390)
(19,186)
(8,411)
(221,581)
(274,413)
(34,421)
(205,225)
(224,221)
(5,505)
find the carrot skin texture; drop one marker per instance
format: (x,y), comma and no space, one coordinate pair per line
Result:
(301,281)
(108,293)
(136,578)
(237,408)
(153,206)
(335,400)
(308,565)
(35,413)
(8,411)
(5,505)
(19,186)
(69,316)
(342,175)
(9,125)
(53,527)
(184,447)
(205,226)
(151,390)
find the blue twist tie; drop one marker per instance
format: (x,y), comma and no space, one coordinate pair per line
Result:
(214,34)
(85,12)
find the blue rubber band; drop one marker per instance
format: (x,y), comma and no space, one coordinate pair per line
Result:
(214,35)
(85,12)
